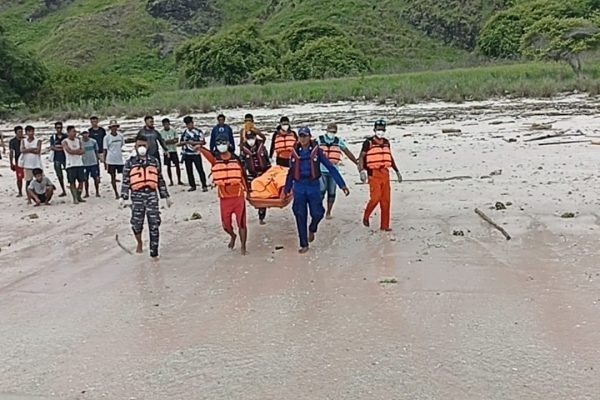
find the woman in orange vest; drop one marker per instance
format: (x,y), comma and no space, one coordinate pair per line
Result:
(230,178)
(283,143)
(375,161)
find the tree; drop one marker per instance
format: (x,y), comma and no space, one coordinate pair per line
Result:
(502,34)
(229,57)
(327,58)
(561,39)
(305,30)
(21,76)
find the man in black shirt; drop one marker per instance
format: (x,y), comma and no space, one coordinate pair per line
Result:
(97,133)
(14,148)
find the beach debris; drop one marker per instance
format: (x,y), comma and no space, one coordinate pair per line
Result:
(458,233)
(388,280)
(568,215)
(121,246)
(500,206)
(450,178)
(540,127)
(566,142)
(497,172)
(491,222)
(548,136)
(509,140)
(509,203)
(88,234)
(595,141)
(195,216)
(33,216)
(451,130)
(278,247)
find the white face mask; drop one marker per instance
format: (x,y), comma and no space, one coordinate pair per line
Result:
(222,148)
(380,133)
(142,151)
(285,127)
(251,142)
(330,135)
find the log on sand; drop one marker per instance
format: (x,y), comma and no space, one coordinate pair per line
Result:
(489,221)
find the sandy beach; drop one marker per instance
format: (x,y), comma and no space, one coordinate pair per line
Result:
(420,313)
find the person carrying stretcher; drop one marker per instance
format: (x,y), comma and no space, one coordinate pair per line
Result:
(304,178)
(229,176)
(255,159)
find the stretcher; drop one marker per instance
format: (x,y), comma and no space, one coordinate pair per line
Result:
(267,189)
(279,202)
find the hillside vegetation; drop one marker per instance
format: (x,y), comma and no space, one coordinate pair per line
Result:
(97,50)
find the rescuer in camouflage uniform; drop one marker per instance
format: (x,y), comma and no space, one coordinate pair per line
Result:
(142,178)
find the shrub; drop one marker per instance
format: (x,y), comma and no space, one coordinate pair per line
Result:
(230,57)
(327,58)
(265,75)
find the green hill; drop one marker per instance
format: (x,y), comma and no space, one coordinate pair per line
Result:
(138,37)
(100,49)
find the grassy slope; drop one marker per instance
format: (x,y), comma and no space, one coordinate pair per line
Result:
(117,35)
(104,35)
(524,80)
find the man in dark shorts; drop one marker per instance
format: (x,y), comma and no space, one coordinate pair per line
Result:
(74,152)
(41,189)
(113,154)
(59,155)
(171,138)
(97,133)
(14,148)
(90,163)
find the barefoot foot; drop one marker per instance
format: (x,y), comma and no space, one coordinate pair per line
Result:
(231,244)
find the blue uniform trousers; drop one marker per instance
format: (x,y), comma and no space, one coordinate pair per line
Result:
(307,196)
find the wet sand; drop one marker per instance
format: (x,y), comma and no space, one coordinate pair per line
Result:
(469,317)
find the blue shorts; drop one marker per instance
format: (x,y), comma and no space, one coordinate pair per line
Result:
(328,186)
(92,171)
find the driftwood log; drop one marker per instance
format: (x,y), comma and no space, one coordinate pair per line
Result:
(492,223)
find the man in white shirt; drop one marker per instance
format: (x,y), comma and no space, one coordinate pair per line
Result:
(74,162)
(113,154)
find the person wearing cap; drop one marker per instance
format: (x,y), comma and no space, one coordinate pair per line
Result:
(333,146)
(221,129)
(374,164)
(97,133)
(250,127)
(190,139)
(113,154)
(90,163)
(74,152)
(283,142)
(304,178)
(230,178)
(255,159)
(171,138)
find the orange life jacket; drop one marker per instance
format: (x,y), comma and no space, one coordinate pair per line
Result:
(227,172)
(284,144)
(379,155)
(143,177)
(332,151)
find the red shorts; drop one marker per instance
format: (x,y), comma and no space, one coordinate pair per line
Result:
(230,206)
(20,172)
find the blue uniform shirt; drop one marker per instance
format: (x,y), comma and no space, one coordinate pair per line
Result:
(305,169)
(224,130)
